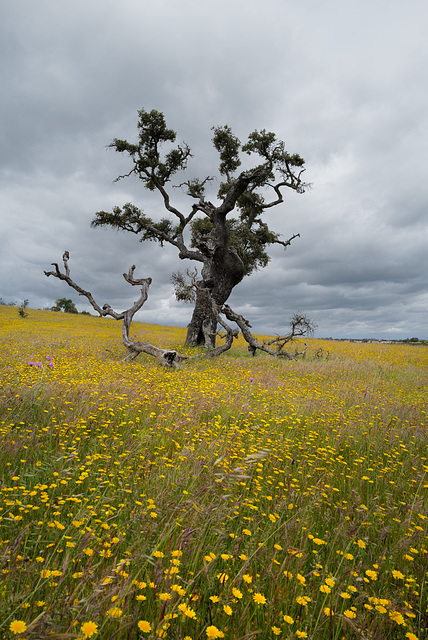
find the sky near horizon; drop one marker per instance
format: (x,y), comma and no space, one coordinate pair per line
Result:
(343,83)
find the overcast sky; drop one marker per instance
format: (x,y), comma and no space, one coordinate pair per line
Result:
(343,82)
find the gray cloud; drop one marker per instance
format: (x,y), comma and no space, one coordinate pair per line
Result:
(342,83)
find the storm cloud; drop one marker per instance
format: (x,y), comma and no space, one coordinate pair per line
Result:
(342,83)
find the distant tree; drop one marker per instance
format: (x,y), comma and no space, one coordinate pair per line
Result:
(22,308)
(227,248)
(64,304)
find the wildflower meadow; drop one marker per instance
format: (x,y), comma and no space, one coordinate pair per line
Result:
(241,497)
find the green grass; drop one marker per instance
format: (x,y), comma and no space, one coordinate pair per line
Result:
(241,497)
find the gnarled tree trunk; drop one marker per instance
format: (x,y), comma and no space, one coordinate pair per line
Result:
(223,269)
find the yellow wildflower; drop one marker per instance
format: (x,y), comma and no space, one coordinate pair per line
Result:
(18,626)
(259,598)
(89,629)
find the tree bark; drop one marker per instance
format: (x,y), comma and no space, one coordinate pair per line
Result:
(202,329)
(223,269)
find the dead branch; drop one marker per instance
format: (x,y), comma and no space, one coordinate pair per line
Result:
(167,357)
(299,325)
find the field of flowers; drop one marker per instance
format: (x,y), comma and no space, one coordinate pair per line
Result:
(235,498)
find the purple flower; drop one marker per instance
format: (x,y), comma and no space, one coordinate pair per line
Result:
(50,363)
(251,379)
(36,364)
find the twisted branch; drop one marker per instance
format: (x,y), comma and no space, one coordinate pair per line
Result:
(167,357)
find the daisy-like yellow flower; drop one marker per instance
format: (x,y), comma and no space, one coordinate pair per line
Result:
(276,631)
(301,634)
(350,614)
(247,578)
(227,610)
(288,619)
(411,636)
(179,589)
(144,626)
(397,575)
(187,611)
(89,629)
(246,532)
(237,593)
(324,588)
(328,611)
(396,616)
(259,598)
(361,544)
(380,608)
(18,626)
(213,632)
(164,596)
(371,574)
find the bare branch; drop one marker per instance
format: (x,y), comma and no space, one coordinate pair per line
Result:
(167,357)
(300,325)
(286,243)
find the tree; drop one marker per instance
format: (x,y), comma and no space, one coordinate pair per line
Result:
(66,305)
(299,325)
(227,248)
(22,309)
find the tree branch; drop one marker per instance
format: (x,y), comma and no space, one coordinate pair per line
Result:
(300,325)
(167,357)
(286,243)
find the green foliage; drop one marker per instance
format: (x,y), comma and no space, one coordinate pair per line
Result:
(249,243)
(66,305)
(154,171)
(228,147)
(21,311)
(131,218)
(185,285)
